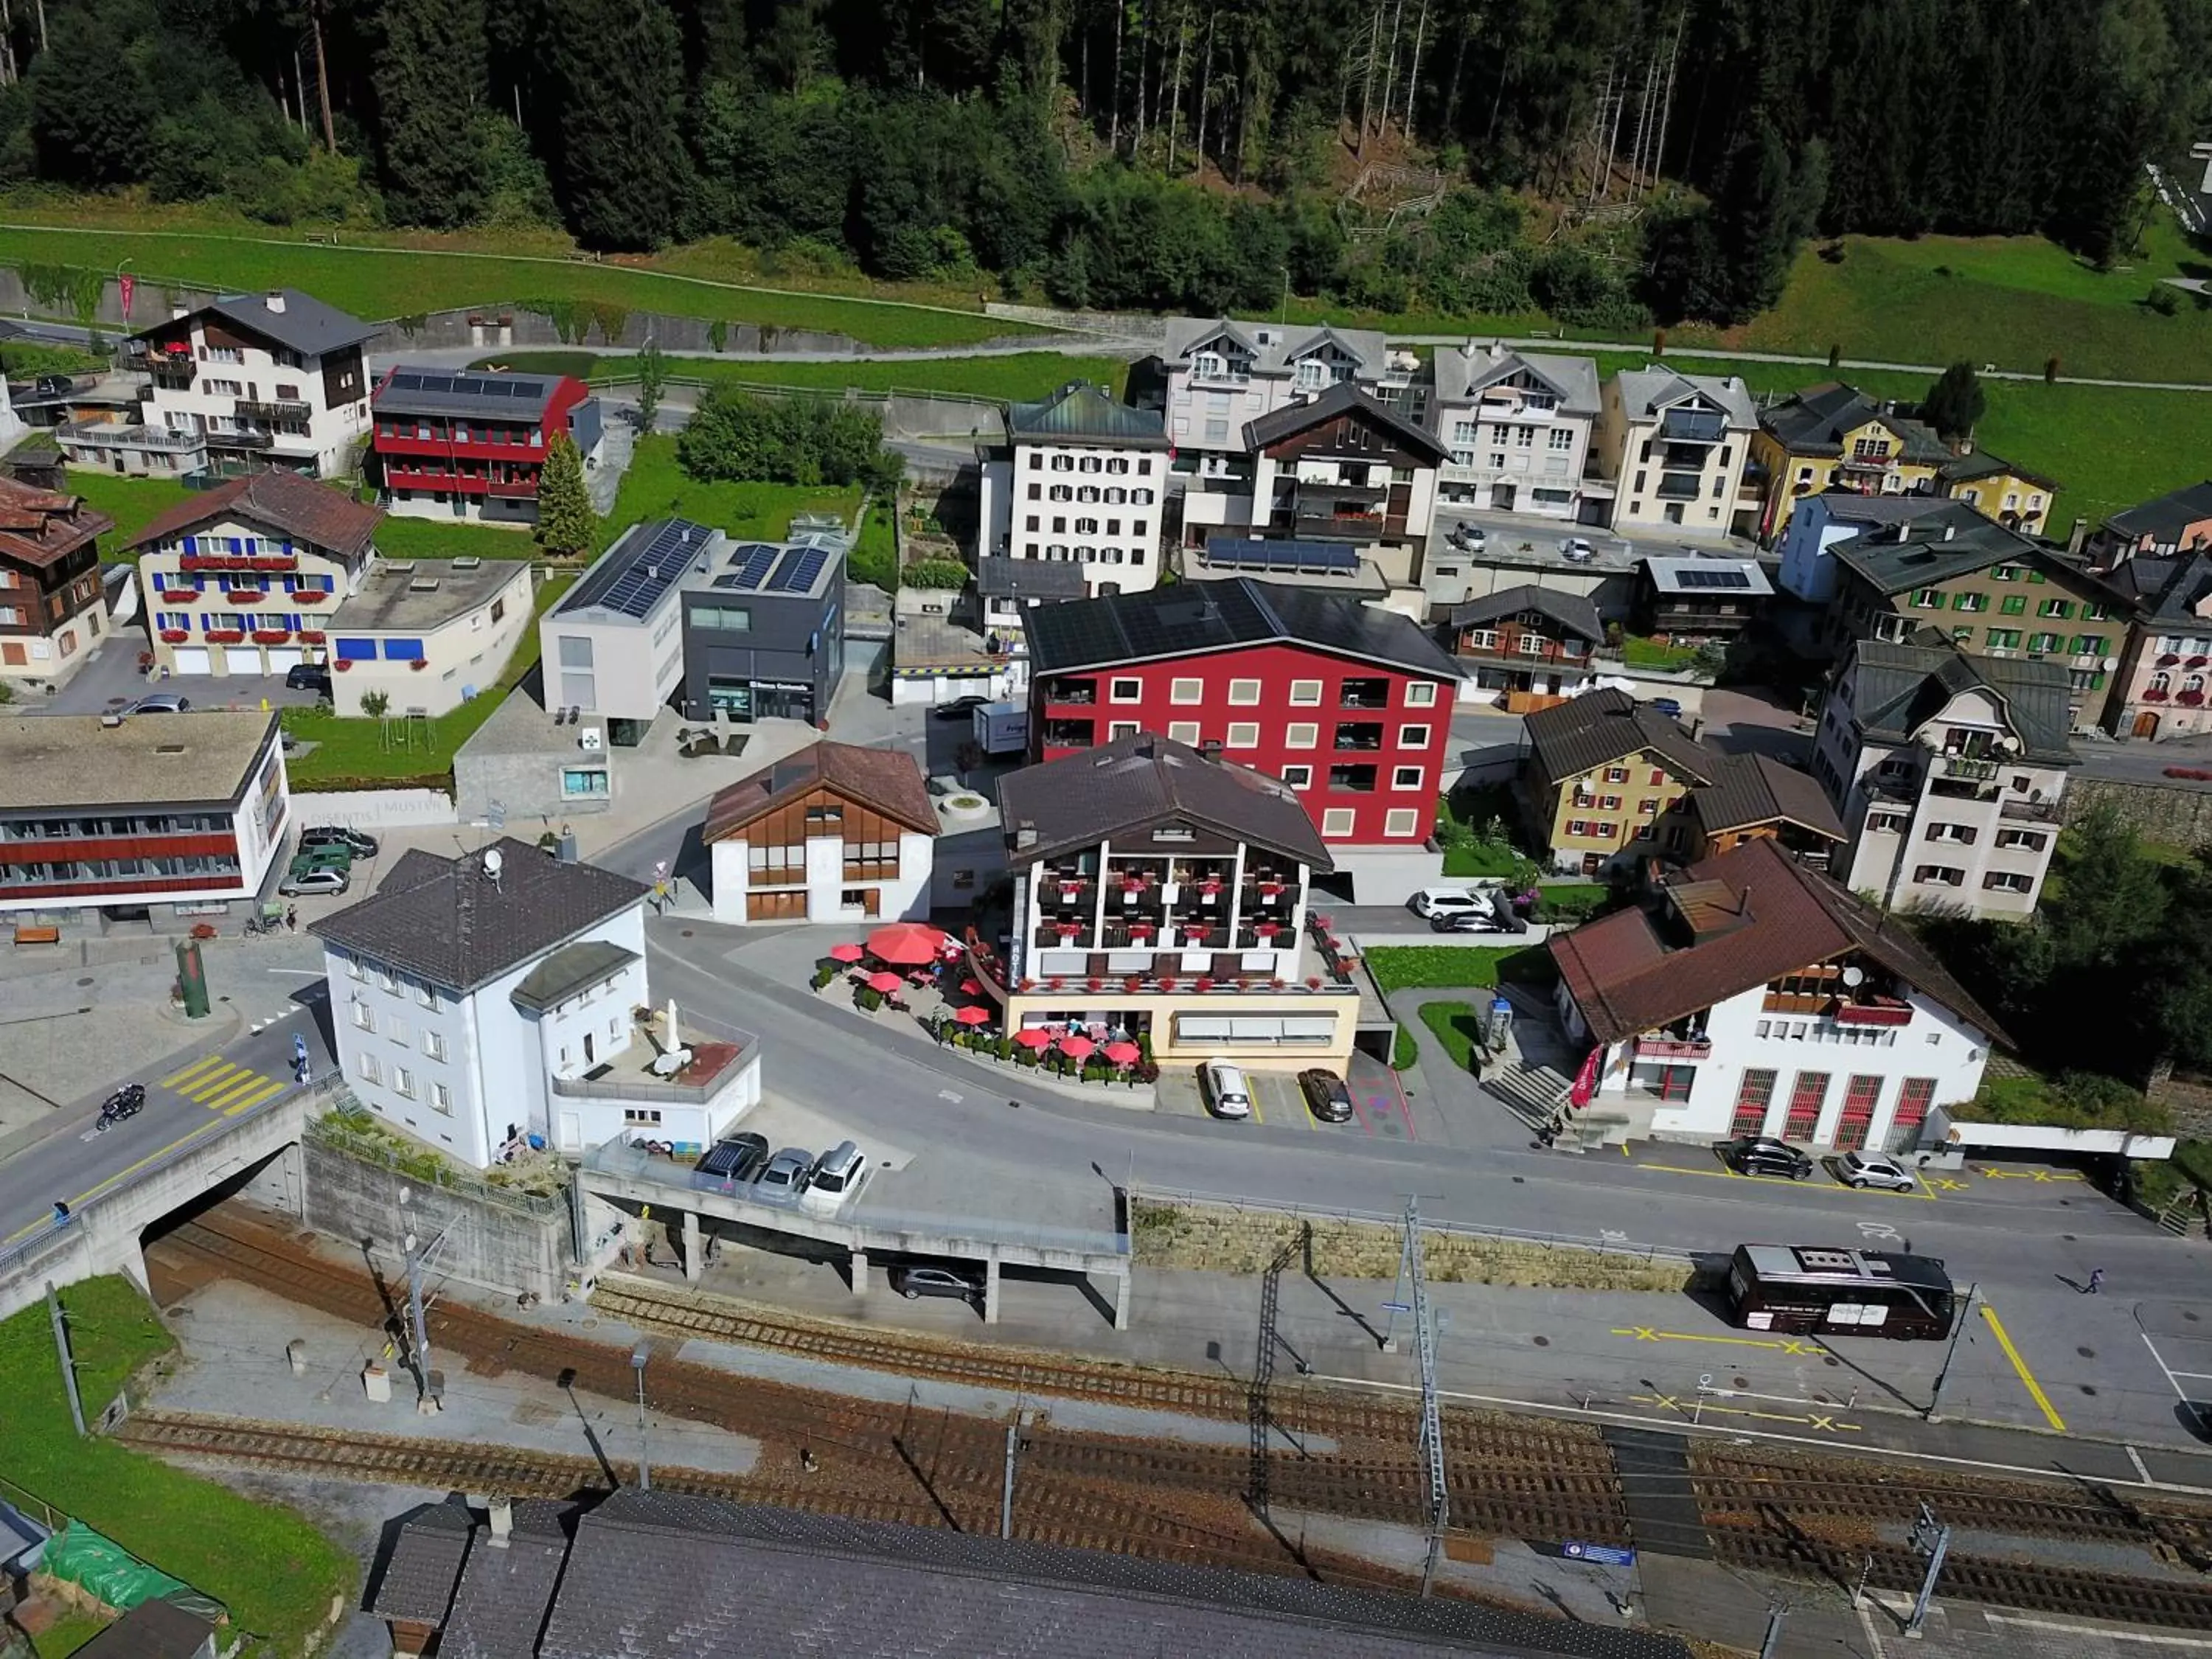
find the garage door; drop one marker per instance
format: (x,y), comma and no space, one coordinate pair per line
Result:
(193,659)
(284,658)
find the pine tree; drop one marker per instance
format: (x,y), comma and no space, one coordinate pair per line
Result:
(1954,403)
(652,380)
(430,80)
(617,70)
(566,523)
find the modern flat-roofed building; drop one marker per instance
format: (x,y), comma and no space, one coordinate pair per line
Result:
(167,816)
(50,606)
(429,634)
(470,444)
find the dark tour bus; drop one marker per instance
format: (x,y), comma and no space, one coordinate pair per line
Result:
(1828,1289)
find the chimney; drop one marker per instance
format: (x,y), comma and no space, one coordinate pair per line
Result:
(178,311)
(1025,834)
(1949,531)
(275,301)
(1470,350)
(2077,536)
(1497,352)
(502,1522)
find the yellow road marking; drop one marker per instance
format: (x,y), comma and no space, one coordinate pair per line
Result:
(1668,1402)
(231,1091)
(1787,1345)
(264,1092)
(214,1082)
(2049,1177)
(94,1191)
(198,1068)
(1258,1117)
(2027,1377)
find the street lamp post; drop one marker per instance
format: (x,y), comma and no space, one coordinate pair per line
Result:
(638,1356)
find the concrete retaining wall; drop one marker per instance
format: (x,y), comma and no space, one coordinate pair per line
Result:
(374,809)
(1128,324)
(2177,813)
(512,326)
(487,1243)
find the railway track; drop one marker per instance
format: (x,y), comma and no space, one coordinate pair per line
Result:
(1332,1453)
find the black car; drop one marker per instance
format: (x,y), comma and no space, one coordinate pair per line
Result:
(307,677)
(55,385)
(336,835)
(1758,1155)
(923,1279)
(1325,1095)
(960,708)
(734,1160)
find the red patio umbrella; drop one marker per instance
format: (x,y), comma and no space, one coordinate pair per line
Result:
(846,953)
(1122,1053)
(886,981)
(972,1015)
(969,988)
(1077,1048)
(1034,1037)
(908,942)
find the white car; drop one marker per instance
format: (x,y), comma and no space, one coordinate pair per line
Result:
(1574,547)
(1874,1169)
(836,1177)
(1434,902)
(1225,1090)
(1468,538)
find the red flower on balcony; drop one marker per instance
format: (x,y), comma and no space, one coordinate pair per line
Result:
(308,596)
(1133,984)
(1204,983)
(246,596)
(342,664)
(2190,699)
(419,664)
(2156,694)
(271,636)
(226,637)
(2170,659)
(2197,662)
(1168,981)
(175,635)
(275,561)
(310,636)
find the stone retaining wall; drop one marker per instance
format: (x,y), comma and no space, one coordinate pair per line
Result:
(2177,813)
(496,1245)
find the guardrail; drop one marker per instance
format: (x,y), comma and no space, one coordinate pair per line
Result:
(836,393)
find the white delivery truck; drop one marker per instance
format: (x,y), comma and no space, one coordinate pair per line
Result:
(1002,728)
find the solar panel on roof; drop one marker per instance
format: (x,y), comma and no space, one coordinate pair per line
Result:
(407,382)
(1711,579)
(467,388)
(799,570)
(652,572)
(751,563)
(525,388)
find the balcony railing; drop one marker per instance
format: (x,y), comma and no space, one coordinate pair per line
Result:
(1081,694)
(247,439)
(1970,770)
(1674,1047)
(276,412)
(2034,811)
(146,360)
(1875,1010)
(1068,734)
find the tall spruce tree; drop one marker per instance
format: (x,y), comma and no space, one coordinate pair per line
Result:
(566,523)
(1954,403)
(431,81)
(616,65)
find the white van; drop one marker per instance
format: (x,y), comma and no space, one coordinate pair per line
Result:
(1226,1092)
(836,1175)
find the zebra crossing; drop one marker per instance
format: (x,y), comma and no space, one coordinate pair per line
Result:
(223,1085)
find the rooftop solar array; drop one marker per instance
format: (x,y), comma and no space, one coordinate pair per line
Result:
(517,398)
(749,565)
(1711,579)
(800,569)
(653,559)
(466,386)
(1239,553)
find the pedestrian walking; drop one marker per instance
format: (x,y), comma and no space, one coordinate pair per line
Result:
(291,917)
(2096,1280)
(61,1214)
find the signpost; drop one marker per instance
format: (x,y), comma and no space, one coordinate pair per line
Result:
(1606,1555)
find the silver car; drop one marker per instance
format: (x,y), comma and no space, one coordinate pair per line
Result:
(1874,1169)
(162,703)
(785,1177)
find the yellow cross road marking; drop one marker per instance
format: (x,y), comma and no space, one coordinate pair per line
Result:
(238,1087)
(2047,1176)
(198,1068)
(1669,1402)
(1790,1346)
(212,1082)
(1944,1183)
(1641,1333)
(255,1098)
(2027,1377)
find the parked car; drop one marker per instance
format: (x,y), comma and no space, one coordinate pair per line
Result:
(1670,707)
(1574,547)
(1434,902)
(160,703)
(1225,1091)
(735,1160)
(959,708)
(335,835)
(920,1279)
(1468,538)
(836,1177)
(314,882)
(323,855)
(1497,919)
(783,1178)
(1763,1155)
(1873,1170)
(54,385)
(307,677)
(1325,1095)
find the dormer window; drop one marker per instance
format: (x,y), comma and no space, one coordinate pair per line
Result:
(1313,373)
(1209,366)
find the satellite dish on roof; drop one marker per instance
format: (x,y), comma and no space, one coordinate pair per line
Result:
(492,861)
(1855,975)
(2010,744)
(2109,664)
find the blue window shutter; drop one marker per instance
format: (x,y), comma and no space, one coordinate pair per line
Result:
(357,650)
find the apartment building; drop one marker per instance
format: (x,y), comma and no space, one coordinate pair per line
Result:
(2160,688)
(1516,429)
(1677,448)
(471,445)
(427,635)
(1834,437)
(1817,525)
(51,608)
(1212,377)
(2179,521)
(275,379)
(1947,768)
(1524,648)
(834,833)
(1082,480)
(1601,769)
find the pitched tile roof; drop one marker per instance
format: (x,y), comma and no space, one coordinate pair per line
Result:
(1937,546)
(505,1592)
(654,1575)
(153,1630)
(2167,589)
(1753,789)
(1645,393)
(1900,686)
(2166,517)
(1762,915)
(1083,413)
(457,925)
(997,578)
(1602,726)
(1851,506)
(1345,396)
(40,527)
(1814,421)
(1275,347)
(307,511)
(1183,619)
(1145,779)
(1572,611)
(885,780)
(305,324)
(1981,463)
(1463,373)
(416,1584)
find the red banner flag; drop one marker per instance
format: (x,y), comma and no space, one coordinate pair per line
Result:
(1585,1080)
(126,282)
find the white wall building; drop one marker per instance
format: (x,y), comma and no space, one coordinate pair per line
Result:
(1082,480)
(429,634)
(271,379)
(1818,523)
(1763,999)
(1218,376)
(834,833)
(1518,427)
(498,994)
(1675,446)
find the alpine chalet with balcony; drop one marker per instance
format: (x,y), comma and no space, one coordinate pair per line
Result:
(52,607)
(1677,448)
(1525,648)
(1347,705)
(471,445)
(1212,377)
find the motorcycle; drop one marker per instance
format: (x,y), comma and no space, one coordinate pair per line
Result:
(125,1102)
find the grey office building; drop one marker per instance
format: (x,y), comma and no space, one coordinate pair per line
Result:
(764,631)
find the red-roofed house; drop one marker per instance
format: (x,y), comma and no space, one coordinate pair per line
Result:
(1758,997)
(50,607)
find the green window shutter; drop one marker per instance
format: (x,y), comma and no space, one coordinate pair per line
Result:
(2015,604)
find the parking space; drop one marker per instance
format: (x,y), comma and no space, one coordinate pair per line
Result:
(1379,1108)
(111,679)
(2178,1336)
(2060,1192)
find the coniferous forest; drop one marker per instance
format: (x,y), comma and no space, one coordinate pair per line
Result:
(1608,161)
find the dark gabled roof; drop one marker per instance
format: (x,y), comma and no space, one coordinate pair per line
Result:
(2165,589)
(1345,397)
(1571,611)
(499,1605)
(1980,464)
(1754,789)
(153,1630)
(306,324)
(997,578)
(1143,779)
(2164,518)
(307,511)
(568,970)
(1937,547)
(885,780)
(416,1584)
(655,1575)
(1814,421)
(1185,619)
(1900,686)
(1854,506)
(1082,413)
(1603,726)
(1777,917)
(449,921)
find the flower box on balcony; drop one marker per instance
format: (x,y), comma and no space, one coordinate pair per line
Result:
(2170,659)
(274,562)
(225,636)
(308,596)
(342,664)
(176,635)
(2197,662)
(310,636)
(1667,1048)
(2190,699)
(1887,1012)
(419,664)
(245,596)
(1267,929)
(271,636)
(2156,694)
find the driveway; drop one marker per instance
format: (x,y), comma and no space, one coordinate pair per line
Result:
(1754,719)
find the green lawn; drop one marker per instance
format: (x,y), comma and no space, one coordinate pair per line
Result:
(1404,967)
(66,1635)
(1020,375)
(381,282)
(352,753)
(1458,1026)
(1488,858)
(875,555)
(132,502)
(452,539)
(275,1572)
(656,487)
(1640,652)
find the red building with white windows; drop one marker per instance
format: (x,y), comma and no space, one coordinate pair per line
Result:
(1349,705)
(470,443)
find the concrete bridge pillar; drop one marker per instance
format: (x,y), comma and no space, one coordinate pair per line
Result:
(694,1248)
(860,1273)
(991,1290)
(1124,1284)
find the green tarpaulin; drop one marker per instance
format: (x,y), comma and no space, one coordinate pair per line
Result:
(78,1555)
